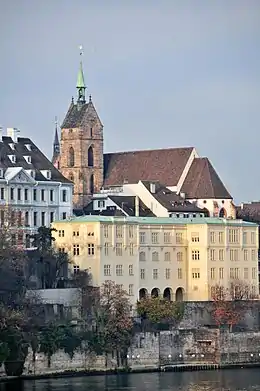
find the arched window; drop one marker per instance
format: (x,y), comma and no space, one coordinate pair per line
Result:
(91,184)
(90,157)
(222,212)
(71,157)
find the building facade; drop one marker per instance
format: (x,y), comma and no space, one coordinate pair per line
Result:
(81,158)
(30,186)
(181,259)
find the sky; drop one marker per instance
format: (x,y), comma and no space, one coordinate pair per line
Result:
(161,74)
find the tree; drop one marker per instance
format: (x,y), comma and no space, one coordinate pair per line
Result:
(159,310)
(113,322)
(50,340)
(230,304)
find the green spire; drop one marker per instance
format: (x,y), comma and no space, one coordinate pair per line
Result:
(80,79)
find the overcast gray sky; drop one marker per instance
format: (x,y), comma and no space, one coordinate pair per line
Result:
(161,74)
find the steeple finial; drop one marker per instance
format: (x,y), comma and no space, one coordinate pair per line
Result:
(56,143)
(80,81)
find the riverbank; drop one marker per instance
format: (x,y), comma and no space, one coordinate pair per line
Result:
(119,371)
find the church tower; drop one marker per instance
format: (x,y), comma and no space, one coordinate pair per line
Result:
(56,146)
(81,147)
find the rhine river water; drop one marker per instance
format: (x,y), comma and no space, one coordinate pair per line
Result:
(224,380)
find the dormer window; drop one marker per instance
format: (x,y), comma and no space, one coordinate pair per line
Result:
(12,158)
(28,146)
(46,173)
(28,159)
(11,145)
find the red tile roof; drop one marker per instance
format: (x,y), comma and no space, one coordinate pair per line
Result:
(164,165)
(202,181)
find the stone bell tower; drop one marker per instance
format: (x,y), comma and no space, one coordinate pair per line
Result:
(81,146)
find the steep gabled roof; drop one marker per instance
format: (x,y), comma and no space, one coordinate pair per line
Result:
(78,114)
(170,200)
(164,165)
(202,181)
(38,160)
(127,203)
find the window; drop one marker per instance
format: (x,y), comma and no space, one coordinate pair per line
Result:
(106,231)
(76,269)
(119,249)
(195,273)
(25,194)
(179,257)
(253,255)
(131,231)
(221,237)
(26,219)
(233,255)
(91,184)
(119,270)
(179,238)
(90,157)
(71,157)
(179,273)
(155,274)
(19,194)
(167,256)
(233,235)
(91,249)
(34,194)
(231,272)
(43,195)
(131,289)
(61,233)
(20,239)
(106,249)
(167,273)
(212,254)
(244,237)
(62,250)
(131,270)
(107,270)
(246,273)
(213,273)
(75,233)
(155,237)
(155,256)
(51,217)
(221,273)
(142,274)
(212,237)
(131,249)
(245,255)
(35,219)
(12,193)
(253,272)
(142,237)
(43,219)
(167,237)
(221,255)
(252,237)
(64,195)
(64,215)
(142,256)
(119,231)
(195,237)
(101,204)
(236,272)
(75,249)
(51,195)
(195,255)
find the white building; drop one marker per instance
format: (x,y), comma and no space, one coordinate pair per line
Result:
(30,184)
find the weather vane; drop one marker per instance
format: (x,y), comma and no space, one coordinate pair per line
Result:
(81,50)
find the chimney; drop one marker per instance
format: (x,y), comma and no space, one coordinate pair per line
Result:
(152,188)
(13,132)
(136,206)
(242,206)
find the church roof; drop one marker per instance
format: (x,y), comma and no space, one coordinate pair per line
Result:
(202,181)
(74,116)
(164,165)
(20,150)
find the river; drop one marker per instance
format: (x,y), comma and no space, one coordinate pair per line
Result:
(224,380)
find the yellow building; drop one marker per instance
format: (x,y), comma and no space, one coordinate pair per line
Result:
(177,258)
